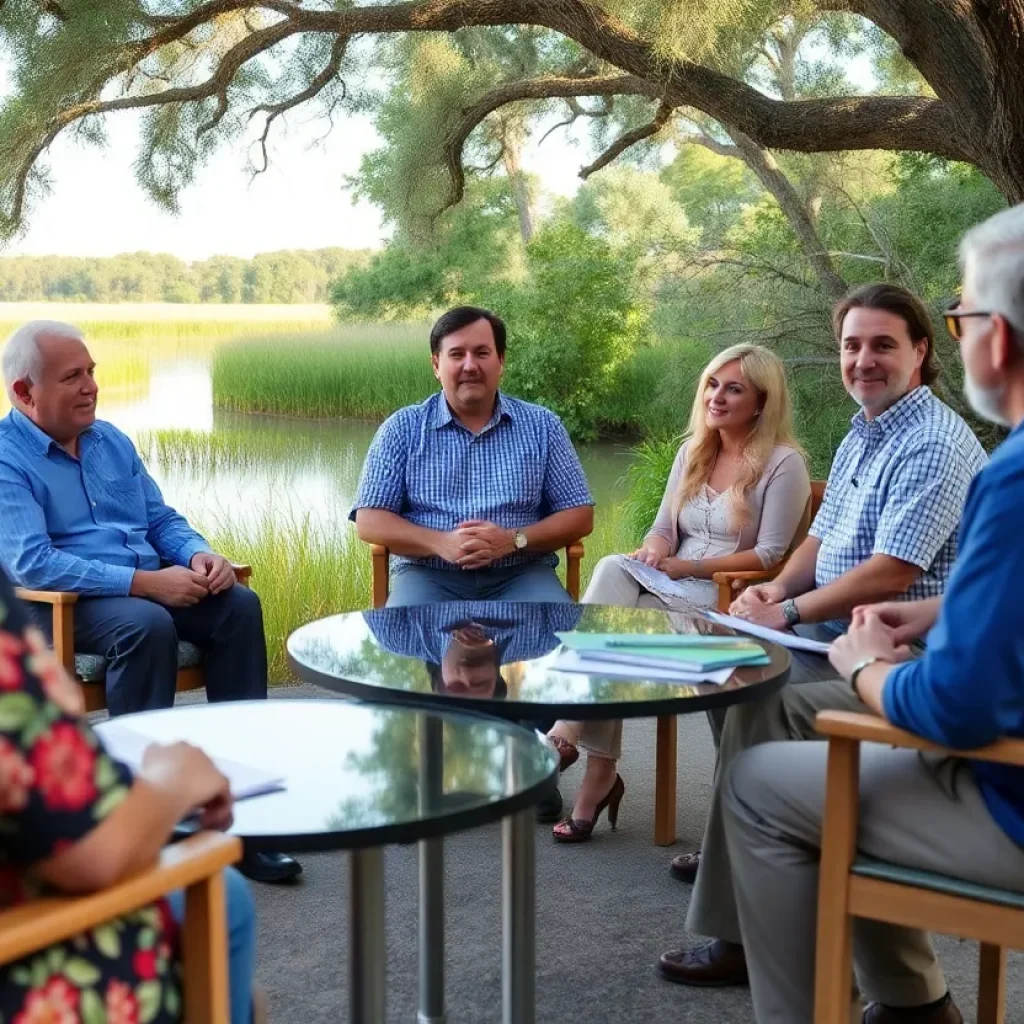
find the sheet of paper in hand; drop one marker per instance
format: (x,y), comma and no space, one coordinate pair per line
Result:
(790,640)
(653,579)
(127,745)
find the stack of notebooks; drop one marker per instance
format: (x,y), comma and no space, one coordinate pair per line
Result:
(672,657)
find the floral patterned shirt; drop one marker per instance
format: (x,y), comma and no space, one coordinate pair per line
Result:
(56,784)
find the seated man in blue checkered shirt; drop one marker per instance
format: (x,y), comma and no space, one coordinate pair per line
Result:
(885,531)
(471,490)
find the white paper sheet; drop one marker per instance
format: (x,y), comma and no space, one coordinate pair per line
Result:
(128,745)
(791,640)
(653,579)
(568,660)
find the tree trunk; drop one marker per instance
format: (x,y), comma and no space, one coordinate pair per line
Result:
(800,218)
(512,143)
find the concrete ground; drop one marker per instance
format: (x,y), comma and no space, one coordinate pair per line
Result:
(605,910)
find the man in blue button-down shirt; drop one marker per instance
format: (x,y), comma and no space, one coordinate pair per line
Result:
(79,512)
(472,490)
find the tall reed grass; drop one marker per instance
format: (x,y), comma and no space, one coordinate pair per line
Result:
(301,570)
(362,373)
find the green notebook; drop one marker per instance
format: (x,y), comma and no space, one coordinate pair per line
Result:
(697,657)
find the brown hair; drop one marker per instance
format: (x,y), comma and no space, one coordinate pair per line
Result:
(891,298)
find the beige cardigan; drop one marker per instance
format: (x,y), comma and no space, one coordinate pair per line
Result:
(778,503)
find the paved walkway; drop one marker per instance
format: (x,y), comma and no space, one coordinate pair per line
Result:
(606,909)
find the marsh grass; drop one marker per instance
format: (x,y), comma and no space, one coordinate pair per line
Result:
(362,373)
(302,571)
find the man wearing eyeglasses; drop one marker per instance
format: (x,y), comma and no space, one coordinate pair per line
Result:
(886,531)
(927,812)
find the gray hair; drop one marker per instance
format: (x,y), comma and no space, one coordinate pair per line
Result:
(995,250)
(22,359)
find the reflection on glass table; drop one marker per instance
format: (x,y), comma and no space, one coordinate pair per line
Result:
(359,777)
(500,655)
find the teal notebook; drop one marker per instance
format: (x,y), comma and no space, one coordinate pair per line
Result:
(694,657)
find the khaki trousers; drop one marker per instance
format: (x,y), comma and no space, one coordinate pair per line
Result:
(921,811)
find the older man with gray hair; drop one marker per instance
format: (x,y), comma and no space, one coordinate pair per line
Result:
(950,816)
(79,512)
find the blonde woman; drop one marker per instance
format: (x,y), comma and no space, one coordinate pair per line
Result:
(735,498)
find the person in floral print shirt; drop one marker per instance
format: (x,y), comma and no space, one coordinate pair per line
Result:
(73,819)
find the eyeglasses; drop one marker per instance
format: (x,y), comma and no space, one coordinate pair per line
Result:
(955,314)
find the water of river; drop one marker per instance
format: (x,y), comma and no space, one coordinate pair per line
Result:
(260,465)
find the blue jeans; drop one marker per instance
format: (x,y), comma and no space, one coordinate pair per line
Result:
(241,941)
(419,584)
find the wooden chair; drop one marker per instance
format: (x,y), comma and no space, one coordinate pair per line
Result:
(854,886)
(379,588)
(89,669)
(729,585)
(195,865)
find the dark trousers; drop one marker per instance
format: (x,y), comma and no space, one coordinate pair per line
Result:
(139,640)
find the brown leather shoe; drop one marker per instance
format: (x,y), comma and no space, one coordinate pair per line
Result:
(684,866)
(944,1012)
(715,963)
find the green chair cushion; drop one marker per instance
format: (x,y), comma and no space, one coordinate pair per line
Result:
(868,867)
(93,667)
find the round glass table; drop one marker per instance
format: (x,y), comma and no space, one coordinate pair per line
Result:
(498,657)
(359,777)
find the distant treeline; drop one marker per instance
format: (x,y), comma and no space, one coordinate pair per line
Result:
(290,276)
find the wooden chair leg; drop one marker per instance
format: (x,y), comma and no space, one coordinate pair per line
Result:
(992,985)
(834,957)
(665,782)
(205,951)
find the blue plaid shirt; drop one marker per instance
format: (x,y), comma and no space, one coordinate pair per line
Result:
(897,487)
(425,466)
(83,524)
(520,631)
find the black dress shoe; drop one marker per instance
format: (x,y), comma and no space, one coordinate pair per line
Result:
(943,1011)
(269,867)
(550,810)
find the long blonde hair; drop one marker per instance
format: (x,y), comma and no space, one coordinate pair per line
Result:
(773,426)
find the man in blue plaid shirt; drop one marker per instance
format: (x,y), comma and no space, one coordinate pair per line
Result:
(471,490)
(886,531)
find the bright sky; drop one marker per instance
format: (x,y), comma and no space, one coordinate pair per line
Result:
(97,209)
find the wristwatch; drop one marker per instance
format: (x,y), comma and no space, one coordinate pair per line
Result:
(859,667)
(791,612)
(520,540)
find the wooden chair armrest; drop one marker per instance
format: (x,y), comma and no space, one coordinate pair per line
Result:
(726,583)
(43,922)
(243,572)
(851,725)
(46,596)
(575,550)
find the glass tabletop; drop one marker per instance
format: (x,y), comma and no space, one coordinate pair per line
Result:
(497,657)
(361,775)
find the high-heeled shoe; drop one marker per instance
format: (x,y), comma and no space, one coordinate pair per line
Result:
(579,830)
(568,753)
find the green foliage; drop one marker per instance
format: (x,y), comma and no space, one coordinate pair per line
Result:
(573,323)
(473,244)
(302,571)
(298,276)
(362,374)
(646,479)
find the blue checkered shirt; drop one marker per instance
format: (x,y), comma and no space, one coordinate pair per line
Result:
(897,487)
(425,466)
(521,631)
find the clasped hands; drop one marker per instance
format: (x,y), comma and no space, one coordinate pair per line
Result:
(476,543)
